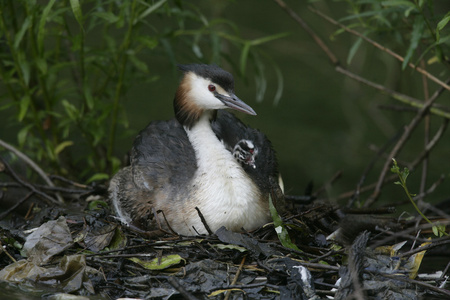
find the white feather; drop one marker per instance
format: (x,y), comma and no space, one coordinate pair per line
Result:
(200,94)
(224,193)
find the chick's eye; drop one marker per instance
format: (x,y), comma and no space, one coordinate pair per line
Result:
(211,87)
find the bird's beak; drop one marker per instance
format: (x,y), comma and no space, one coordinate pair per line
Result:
(234,102)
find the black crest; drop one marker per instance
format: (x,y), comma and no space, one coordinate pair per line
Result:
(213,72)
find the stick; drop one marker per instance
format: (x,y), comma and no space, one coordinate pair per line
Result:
(379,46)
(204,221)
(32,164)
(26,184)
(228,294)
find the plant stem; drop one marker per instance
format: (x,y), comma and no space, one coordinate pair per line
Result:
(125,45)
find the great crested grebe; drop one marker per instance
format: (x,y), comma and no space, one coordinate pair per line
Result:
(205,158)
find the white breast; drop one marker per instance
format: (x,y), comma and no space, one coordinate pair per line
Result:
(224,193)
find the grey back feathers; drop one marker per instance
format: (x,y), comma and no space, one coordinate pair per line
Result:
(163,154)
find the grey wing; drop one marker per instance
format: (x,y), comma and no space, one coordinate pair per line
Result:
(162,156)
(162,161)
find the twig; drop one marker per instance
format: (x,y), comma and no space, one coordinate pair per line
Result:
(228,294)
(445,270)
(369,168)
(411,166)
(48,188)
(396,95)
(379,46)
(7,253)
(204,221)
(405,136)
(176,284)
(311,32)
(430,145)
(401,97)
(425,247)
(68,181)
(417,282)
(329,253)
(17,204)
(26,184)
(327,184)
(399,108)
(404,233)
(32,164)
(423,180)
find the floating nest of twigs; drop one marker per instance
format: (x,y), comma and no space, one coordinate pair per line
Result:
(314,252)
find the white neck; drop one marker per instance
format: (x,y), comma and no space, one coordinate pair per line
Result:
(221,189)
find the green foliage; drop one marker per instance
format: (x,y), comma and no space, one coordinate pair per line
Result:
(280,228)
(414,25)
(67,66)
(438,229)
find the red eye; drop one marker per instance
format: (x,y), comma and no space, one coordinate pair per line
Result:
(211,87)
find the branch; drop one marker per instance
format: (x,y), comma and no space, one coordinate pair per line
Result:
(311,32)
(382,48)
(396,95)
(430,145)
(405,136)
(32,164)
(26,184)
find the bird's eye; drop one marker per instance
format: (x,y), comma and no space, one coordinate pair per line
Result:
(211,87)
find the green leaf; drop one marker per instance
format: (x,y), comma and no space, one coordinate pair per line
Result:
(416,35)
(244,56)
(42,65)
(23,133)
(96,204)
(119,240)
(24,67)
(20,34)
(148,41)
(281,230)
(442,23)
(280,85)
(98,177)
(260,79)
(41,28)
(71,110)
(139,64)
(62,146)
(23,107)
(107,16)
(115,164)
(398,3)
(435,230)
(76,9)
(149,11)
(159,263)
(353,50)
(49,150)
(395,169)
(267,39)
(88,96)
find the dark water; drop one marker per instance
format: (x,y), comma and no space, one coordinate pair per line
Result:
(11,291)
(28,291)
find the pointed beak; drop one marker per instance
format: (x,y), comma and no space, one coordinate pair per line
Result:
(234,102)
